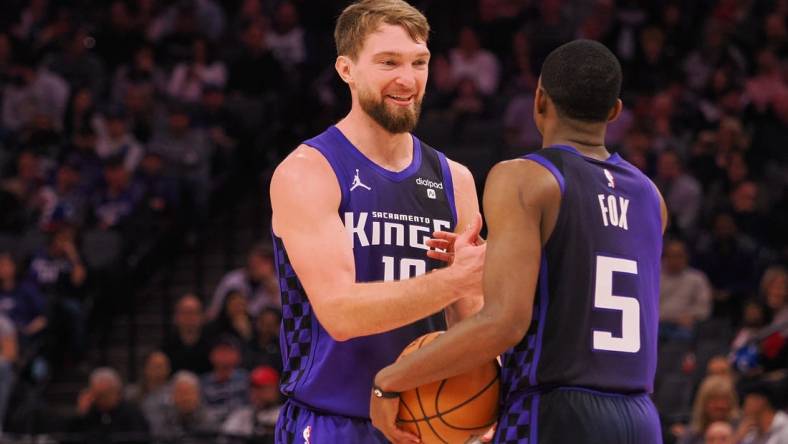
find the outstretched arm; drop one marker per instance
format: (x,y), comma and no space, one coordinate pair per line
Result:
(305,197)
(520,201)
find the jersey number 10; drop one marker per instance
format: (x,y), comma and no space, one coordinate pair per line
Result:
(408,268)
(629,342)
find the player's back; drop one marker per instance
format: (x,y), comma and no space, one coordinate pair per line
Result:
(595,314)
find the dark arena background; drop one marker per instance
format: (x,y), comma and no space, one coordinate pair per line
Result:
(138,298)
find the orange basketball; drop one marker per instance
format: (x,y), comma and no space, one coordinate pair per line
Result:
(454,410)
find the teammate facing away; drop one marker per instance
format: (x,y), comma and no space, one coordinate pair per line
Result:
(353,209)
(570,279)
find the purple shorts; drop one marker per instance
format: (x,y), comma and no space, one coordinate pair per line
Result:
(300,425)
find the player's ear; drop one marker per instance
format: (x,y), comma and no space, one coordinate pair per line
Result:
(343,65)
(540,101)
(615,111)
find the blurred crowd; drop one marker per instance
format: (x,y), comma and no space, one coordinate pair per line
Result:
(124,122)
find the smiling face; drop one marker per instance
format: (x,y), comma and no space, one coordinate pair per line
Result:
(388,77)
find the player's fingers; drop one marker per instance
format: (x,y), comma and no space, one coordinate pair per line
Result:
(448,235)
(402,437)
(440,255)
(438,243)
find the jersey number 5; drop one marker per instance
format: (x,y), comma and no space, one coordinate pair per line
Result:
(629,342)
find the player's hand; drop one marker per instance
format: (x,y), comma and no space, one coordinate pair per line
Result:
(383,413)
(442,245)
(468,263)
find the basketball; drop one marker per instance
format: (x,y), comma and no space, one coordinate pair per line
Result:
(454,410)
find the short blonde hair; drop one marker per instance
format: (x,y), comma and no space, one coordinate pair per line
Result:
(362,18)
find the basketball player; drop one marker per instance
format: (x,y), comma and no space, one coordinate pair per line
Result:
(352,209)
(570,279)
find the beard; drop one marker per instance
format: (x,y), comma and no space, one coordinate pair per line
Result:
(398,120)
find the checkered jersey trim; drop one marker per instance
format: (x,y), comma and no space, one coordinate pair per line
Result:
(297,322)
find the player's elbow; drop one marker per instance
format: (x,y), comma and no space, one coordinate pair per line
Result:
(512,328)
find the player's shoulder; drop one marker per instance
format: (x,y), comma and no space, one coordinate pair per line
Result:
(304,171)
(302,163)
(459,172)
(527,177)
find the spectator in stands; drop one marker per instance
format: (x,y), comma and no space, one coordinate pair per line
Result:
(716,400)
(185,419)
(161,193)
(226,387)
(286,37)
(257,281)
(220,124)
(80,111)
(64,201)
(256,71)
(153,392)
(23,304)
(719,365)
(82,155)
(728,259)
(469,60)
(685,293)
(719,432)
(59,272)
(33,92)
(141,71)
(117,38)
(468,103)
(683,194)
(58,269)
(103,415)
(259,418)
(77,64)
(774,290)
(187,154)
(753,320)
(9,350)
(264,349)
(189,78)
(26,183)
(744,209)
(116,140)
(187,345)
(716,50)
(234,319)
(762,422)
(145,114)
(117,199)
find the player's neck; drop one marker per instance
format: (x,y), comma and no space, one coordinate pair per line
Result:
(589,139)
(391,151)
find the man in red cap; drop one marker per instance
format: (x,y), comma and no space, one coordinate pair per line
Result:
(259,418)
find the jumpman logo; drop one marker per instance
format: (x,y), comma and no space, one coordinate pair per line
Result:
(357,183)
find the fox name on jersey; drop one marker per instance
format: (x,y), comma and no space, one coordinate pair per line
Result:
(614,211)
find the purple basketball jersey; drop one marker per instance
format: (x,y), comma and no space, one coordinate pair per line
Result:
(596,305)
(388,216)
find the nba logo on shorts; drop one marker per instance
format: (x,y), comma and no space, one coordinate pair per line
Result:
(431,193)
(307,434)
